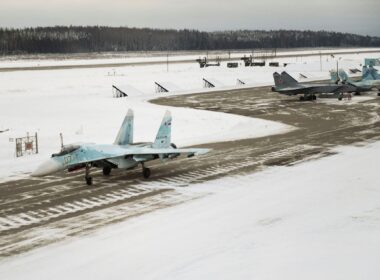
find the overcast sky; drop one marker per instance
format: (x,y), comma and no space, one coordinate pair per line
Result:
(361,16)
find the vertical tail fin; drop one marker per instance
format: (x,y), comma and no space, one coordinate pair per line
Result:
(163,137)
(334,77)
(288,80)
(277,79)
(366,74)
(125,135)
(343,76)
(375,74)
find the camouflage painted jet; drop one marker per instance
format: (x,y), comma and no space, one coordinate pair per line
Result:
(123,153)
(362,85)
(286,84)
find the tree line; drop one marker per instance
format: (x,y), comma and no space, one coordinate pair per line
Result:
(76,39)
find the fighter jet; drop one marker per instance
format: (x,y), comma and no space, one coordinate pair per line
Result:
(362,85)
(286,84)
(123,153)
(370,73)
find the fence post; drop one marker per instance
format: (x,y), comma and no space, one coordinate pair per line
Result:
(36,143)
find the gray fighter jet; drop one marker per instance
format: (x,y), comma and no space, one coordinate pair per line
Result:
(286,84)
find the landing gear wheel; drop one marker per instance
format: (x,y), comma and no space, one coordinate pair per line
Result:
(302,98)
(378,94)
(314,97)
(146,173)
(357,93)
(89,181)
(87,175)
(106,171)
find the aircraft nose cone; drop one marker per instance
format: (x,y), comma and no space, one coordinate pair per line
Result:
(47,168)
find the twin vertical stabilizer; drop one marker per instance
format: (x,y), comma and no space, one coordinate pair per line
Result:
(284,80)
(163,138)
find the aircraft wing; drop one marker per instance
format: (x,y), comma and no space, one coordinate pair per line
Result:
(99,153)
(154,151)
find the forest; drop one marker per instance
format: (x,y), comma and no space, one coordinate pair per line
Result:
(79,39)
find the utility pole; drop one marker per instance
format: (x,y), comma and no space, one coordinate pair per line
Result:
(320,60)
(61,136)
(167,62)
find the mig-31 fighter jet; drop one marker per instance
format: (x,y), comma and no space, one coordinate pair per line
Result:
(286,84)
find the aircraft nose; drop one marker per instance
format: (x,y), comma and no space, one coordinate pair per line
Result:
(47,168)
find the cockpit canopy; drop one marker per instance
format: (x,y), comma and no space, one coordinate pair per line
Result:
(66,150)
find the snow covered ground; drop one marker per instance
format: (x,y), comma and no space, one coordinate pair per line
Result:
(277,224)
(79,103)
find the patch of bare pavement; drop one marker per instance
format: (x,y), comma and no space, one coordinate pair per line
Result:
(36,212)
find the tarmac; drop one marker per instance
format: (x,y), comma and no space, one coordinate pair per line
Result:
(39,211)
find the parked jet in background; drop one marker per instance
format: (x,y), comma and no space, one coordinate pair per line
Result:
(122,154)
(362,85)
(370,73)
(286,84)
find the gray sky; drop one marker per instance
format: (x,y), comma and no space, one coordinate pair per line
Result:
(360,16)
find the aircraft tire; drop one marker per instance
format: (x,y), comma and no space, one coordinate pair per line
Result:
(89,181)
(146,173)
(378,94)
(357,93)
(302,98)
(314,97)
(106,171)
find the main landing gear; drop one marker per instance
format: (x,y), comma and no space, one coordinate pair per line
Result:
(145,171)
(87,176)
(308,97)
(106,170)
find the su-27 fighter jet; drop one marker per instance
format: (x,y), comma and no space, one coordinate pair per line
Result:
(367,83)
(286,84)
(123,153)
